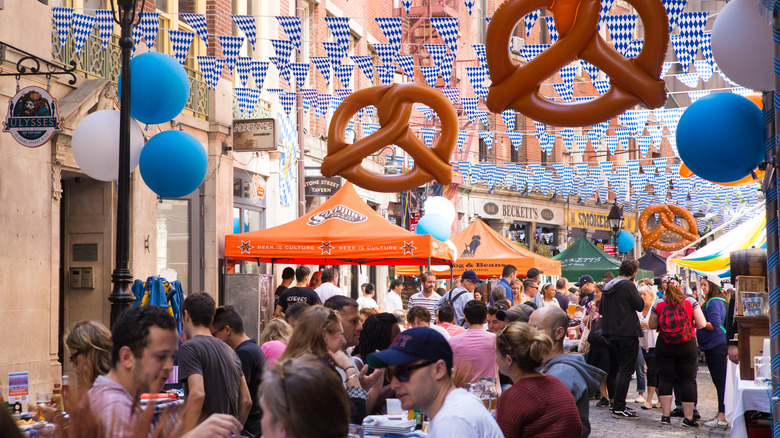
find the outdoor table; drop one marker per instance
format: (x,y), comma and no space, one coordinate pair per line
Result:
(741,396)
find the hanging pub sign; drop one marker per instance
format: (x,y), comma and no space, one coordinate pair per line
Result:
(321,186)
(32,117)
(258,188)
(252,135)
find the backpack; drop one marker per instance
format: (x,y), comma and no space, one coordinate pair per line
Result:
(451,300)
(675,323)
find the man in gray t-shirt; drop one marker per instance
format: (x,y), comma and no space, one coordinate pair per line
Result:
(209,369)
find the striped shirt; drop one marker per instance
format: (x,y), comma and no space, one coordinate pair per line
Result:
(429,303)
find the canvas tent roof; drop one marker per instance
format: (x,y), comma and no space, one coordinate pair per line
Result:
(653,262)
(343,230)
(583,257)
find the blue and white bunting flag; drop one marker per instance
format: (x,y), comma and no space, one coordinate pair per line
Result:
(634,48)
(469,5)
(621,30)
(461,139)
(529,21)
(470,106)
(531,51)
(288,101)
(105,24)
(339,27)
(150,25)
(477,77)
(643,142)
(430,73)
(691,30)
(516,138)
(180,42)
(322,64)
(63,18)
(198,22)
(366,65)
(656,134)
(452,94)
(386,53)
(479,49)
(407,5)
(565,91)
(682,51)
(445,67)
(567,134)
(244,67)
(231,48)
(509,117)
(602,86)
(406,62)
(695,95)
(335,52)
(428,134)
(248,25)
(447,27)
(703,69)
(612,143)
(291,25)
(392,29)
(551,29)
(259,69)
(282,66)
(673,10)
(344,73)
(606,5)
(623,135)
(82,27)
(706,49)
(593,71)
(206,65)
(386,73)
(580,143)
(487,137)
(300,71)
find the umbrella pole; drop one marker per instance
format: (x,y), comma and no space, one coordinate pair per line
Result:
(771,122)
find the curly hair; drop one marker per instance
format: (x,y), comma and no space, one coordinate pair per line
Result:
(132,329)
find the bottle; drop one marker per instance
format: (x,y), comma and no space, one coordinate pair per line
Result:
(65,392)
(56,395)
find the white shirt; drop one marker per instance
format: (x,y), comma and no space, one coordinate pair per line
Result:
(463,415)
(327,290)
(554,302)
(368,302)
(393,302)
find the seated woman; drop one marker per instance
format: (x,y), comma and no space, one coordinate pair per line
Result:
(89,344)
(319,332)
(536,405)
(302,397)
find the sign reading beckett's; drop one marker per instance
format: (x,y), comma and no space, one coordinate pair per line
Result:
(338,212)
(32,117)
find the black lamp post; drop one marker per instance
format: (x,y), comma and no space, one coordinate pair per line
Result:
(121,297)
(615,219)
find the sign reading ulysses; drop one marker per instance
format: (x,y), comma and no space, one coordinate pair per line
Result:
(597,221)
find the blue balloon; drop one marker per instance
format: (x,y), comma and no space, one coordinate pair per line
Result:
(159,88)
(436,225)
(720,137)
(625,241)
(173,164)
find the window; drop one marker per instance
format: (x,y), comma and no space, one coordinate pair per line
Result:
(248,212)
(173,238)
(162,5)
(188,6)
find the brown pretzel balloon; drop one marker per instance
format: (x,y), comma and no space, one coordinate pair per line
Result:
(633,81)
(394,106)
(666,215)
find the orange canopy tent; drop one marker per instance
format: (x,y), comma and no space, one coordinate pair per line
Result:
(485,251)
(343,230)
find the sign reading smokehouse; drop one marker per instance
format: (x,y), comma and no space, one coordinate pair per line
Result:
(597,221)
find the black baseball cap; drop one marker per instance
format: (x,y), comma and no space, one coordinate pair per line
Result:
(412,345)
(533,272)
(583,280)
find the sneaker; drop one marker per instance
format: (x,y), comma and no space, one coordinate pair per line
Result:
(666,420)
(625,414)
(696,415)
(716,423)
(677,412)
(639,399)
(629,408)
(603,403)
(689,423)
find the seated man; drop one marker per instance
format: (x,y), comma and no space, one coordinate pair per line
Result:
(145,342)
(446,317)
(419,365)
(476,348)
(419,316)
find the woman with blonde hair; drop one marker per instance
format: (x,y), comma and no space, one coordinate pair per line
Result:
(89,347)
(302,397)
(319,332)
(676,318)
(273,340)
(524,408)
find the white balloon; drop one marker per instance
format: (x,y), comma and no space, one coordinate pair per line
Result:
(742,45)
(441,205)
(95,145)
(454,250)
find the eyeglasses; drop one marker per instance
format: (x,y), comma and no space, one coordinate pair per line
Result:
(402,372)
(73,356)
(219,330)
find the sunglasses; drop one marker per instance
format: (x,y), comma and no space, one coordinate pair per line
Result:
(218,330)
(73,356)
(402,372)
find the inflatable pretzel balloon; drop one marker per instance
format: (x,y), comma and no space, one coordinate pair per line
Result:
(394,106)
(633,81)
(666,217)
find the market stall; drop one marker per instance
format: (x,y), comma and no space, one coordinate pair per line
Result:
(486,252)
(583,257)
(653,262)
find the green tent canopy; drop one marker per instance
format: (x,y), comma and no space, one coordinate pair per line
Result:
(583,257)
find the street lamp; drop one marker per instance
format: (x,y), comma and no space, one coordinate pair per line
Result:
(615,219)
(121,297)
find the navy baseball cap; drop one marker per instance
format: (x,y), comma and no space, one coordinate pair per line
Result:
(412,345)
(470,275)
(583,280)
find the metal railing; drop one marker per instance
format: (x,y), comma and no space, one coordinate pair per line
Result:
(95,62)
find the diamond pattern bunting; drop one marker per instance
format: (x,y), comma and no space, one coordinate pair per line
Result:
(612,143)
(335,52)
(105,24)
(391,27)
(470,106)
(243,67)
(63,17)
(606,5)
(406,62)
(592,70)
(531,51)
(322,103)
(219,65)
(691,31)
(447,27)
(437,52)
(689,79)
(553,31)
(150,25)
(292,27)
(181,41)
(428,134)
(386,53)
(231,47)
(681,49)
(82,27)
(288,101)
(282,66)
(366,65)
(509,117)
(602,86)
(386,73)
(309,98)
(323,66)
(452,94)
(695,95)
(704,69)
(206,64)
(300,71)
(477,76)
(259,69)
(431,74)
(643,142)
(198,22)
(568,73)
(344,73)
(445,67)
(621,30)
(516,138)
(634,48)
(529,21)
(339,27)
(283,49)
(673,10)
(706,49)
(461,139)
(487,137)
(565,91)
(247,25)
(623,134)
(479,49)
(656,134)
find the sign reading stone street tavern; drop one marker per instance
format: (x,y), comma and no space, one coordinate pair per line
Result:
(321,186)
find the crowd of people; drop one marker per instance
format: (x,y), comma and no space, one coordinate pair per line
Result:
(327,360)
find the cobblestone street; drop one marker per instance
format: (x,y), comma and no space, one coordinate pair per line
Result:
(649,425)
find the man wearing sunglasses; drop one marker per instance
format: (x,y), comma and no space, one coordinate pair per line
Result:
(419,366)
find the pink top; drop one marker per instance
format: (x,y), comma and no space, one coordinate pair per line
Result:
(113,407)
(477,348)
(273,351)
(453,329)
